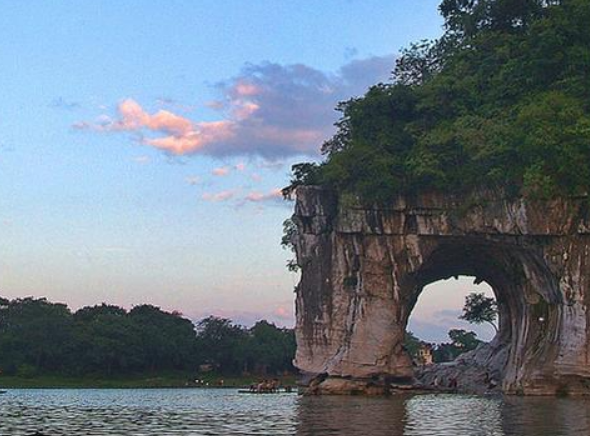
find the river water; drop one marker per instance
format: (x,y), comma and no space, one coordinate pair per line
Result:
(164,412)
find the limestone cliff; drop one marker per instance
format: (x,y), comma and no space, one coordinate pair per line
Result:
(363,269)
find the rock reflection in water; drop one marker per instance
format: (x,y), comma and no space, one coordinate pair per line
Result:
(546,416)
(348,416)
(440,415)
(225,412)
(443,415)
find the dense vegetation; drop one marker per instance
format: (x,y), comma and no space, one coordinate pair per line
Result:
(502,99)
(40,337)
(462,341)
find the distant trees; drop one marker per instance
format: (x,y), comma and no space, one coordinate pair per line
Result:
(34,334)
(106,341)
(37,336)
(479,309)
(223,344)
(264,348)
(271,349)
(462,341)
(412,344)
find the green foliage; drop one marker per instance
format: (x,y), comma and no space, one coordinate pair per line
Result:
(34,332)
(287,242)
(271,348)
(39,337)
(302,174)
(463,339)
(412,344)
(26,371)
(289,234)
(462,342)
(232,349)
(223,344)
(479,309)
(500,100)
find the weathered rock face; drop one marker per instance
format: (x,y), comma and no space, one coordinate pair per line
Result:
(363,269)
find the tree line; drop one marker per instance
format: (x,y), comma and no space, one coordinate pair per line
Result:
(40,337)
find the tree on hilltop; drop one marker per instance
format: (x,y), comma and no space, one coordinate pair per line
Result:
(499,101)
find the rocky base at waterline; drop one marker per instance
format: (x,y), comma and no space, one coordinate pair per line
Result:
(476,372)
(371,388)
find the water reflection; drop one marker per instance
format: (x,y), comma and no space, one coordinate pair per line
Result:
(145,412)
(350,416)
(443,415)
(546,416)
(225,412)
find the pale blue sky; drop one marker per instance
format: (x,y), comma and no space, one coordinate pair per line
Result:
(101,199)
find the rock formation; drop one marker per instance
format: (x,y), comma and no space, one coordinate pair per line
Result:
(363,269)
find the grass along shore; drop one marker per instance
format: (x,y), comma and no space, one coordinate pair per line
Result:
(134,381)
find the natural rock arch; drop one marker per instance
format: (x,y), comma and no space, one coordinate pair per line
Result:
(363,269)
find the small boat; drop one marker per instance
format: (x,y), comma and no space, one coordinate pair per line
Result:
(281,391)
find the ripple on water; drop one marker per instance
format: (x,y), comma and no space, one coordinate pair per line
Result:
(224,412)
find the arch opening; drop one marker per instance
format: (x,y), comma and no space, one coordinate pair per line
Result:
(524,291)
(439,309)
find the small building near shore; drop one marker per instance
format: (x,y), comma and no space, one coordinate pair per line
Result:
(424,356)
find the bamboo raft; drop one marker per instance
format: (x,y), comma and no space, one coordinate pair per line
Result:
(248,391)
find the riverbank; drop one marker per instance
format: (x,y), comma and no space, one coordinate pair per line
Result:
(134,381)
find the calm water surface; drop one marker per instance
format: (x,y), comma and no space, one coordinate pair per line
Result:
(225,412)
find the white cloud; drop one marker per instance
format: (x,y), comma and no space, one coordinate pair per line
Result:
(193,180)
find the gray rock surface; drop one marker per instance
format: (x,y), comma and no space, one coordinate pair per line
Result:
(477,372)
(364,267)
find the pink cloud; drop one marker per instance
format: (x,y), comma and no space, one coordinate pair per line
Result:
(220,172)
(244,110)
(219,196)
(268,110)
(257,197)
(283,312)
(195,140)
(244,89)
(133,117)
(241,166)
(183,135)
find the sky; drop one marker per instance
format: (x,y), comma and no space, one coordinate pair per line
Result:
(143,143)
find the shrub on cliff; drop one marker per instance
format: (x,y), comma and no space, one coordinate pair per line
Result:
(502,99)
